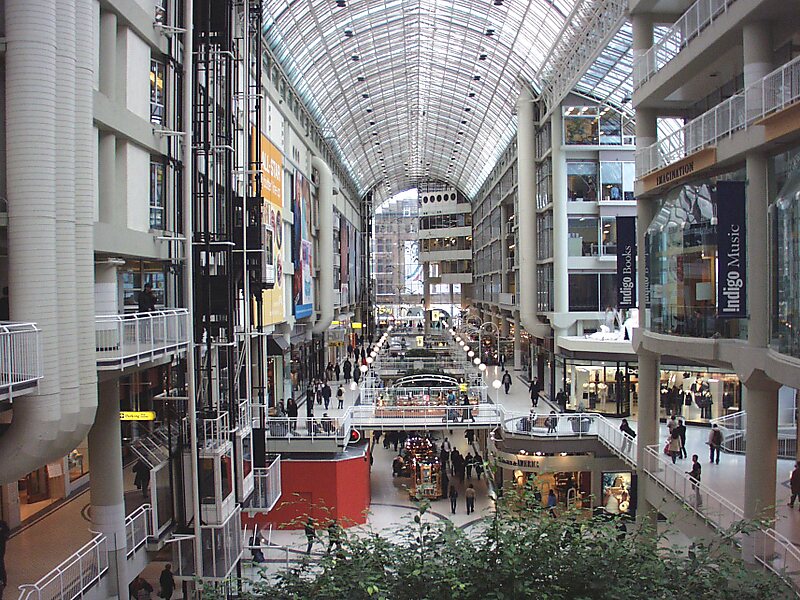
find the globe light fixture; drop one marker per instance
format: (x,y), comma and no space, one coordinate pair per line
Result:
(363,368)
(496,384)
(369,360)
(476,360)
(471,354)
(482,367)
(353,385)
(466,348)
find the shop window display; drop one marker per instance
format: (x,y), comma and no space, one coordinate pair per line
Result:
(698,396)
(786,252)
(682,260)
(601,387)
(617,493)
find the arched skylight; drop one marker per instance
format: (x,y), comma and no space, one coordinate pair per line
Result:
(414,90)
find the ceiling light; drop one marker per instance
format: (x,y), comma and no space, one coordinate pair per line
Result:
(348,33)
(355,58)
(490,31)
(483,57)
(471,95)
(361,78)
(476,78)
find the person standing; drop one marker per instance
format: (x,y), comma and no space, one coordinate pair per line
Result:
(469,462)
(552,502)
(311,534)
(447,448)
(506,381)
(694,476)
(347,368)
(469,494)
(311,393)
(167,582)
(630,434)
(535,388)
(5,533)
(681,429)
(453,494)
(142,476)
(336,370)
(326,394)
(714,442)
(340,396)
(502,360)
(147,299)
(329,371)
(309,413)
(794,483)
(672,423)
(552,422)
(291,412)
(674,445)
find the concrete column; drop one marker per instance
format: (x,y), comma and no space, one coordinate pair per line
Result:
(642,30)
(647,428)
(426,298)
(110,211)
(758,284)
(761,458)
(108,50)
(517,343)
(107,491)
(756,51)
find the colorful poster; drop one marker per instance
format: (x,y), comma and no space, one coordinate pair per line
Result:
(272,305)
(617,493)
(302,282)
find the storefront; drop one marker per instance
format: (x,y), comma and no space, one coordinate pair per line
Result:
(699,394)
(603,386)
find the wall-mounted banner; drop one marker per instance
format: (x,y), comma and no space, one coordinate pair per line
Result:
(302,284)
(626,262)
(732,251)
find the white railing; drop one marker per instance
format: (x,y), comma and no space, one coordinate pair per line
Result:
(20,364)
(72,577)
(214,432)
(138,527)
(310,428)
(415,417)
(772,93)
(696,18)
(769,547)
(267,486)
(734,432)
(138,337)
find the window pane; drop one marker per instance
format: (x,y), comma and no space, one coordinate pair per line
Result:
(582,180)
(157,92)
(583,292)
(609,236)
(608,290)
(157,195)
(583,236)
(611,179)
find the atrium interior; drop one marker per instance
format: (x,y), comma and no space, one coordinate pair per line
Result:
(271,265)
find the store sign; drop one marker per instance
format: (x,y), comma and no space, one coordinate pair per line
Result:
(732,251)
(356,325)
(626,262)
(141,415)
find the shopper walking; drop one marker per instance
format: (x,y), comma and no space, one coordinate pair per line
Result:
(535,388)
(478,467)
(502,360)
(628,437)
(681,429)
(714,442)
(694,476)
(552,422)
(291,412)
(340,397)
(334,536)
(311,534)
(674,446)
(552,502)
(672,423)
(167,582)
(469,494)
(329,371)
(469,462)
(336,370)
(326,395)
(347,368)
(453,494)
(794,483)
(506,381)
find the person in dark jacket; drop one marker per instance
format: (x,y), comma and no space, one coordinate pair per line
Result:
(347,368)
(506,381)
(167,582)
(336,370)
(309,413)
(340,396)
(681,429)
(453,495)
(147,299)
(625,428)
(311,534)
(142,476)
(794,483)
(291,412)
(534,389)
(326,395)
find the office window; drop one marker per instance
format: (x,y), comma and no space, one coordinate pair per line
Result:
(157,96)
(608,236)
(582,179)
(583,292)
(583,236)
(611,180)
(157,195)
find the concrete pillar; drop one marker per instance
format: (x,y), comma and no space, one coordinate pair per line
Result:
(560,220)
(756,51)
(108,50)
(517,343)
(647,429)
(107,179)
(107,491)
(761,458)
(642,31)
(758,284)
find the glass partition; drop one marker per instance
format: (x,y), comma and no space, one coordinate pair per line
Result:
(583,237)
(582,178)
(786,252)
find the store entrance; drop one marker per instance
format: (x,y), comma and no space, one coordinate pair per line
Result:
(35,493)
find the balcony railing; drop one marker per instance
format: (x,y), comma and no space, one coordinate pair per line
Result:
(323,429)
(776,91)
(696,18)
(130,339)
(267,490)
(78,573)
(20,366)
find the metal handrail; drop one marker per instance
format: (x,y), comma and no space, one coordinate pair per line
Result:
(772,93)
(140,336)
(20,355)
(138,527)
(266,486)
(688,26)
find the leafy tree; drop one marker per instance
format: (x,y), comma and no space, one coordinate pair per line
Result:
(523,552)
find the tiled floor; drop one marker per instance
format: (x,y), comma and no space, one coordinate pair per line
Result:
(38,548)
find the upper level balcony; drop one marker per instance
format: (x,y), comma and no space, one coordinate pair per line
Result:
(134,339)
(691,23)
(20,366)
(758,103)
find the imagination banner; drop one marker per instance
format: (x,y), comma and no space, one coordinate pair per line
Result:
(732,251)
(626,262)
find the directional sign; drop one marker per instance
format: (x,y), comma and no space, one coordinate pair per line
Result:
(142,415)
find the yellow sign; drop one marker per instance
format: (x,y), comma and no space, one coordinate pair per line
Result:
(420,341)
(272,218)
(462,387)
(356,325)
(142,415)
(334,323)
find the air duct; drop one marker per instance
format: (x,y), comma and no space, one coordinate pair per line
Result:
(325,196)
(527,294)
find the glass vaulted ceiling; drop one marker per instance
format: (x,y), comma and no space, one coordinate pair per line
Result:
(417,89)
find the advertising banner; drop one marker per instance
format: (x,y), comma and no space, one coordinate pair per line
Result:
(731,251)
(272,307)
(626,262)
(302,283)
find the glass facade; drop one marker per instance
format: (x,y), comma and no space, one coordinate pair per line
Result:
(786,254)
(681,248)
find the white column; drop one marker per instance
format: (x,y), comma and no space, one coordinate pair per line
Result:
(111,211)
(107,491)
(108,53)
(517,343)
(560,219)
(325,197)
(647,429)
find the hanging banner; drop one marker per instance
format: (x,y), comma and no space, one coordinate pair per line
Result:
(731,251)
(302,283)
(626,262)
